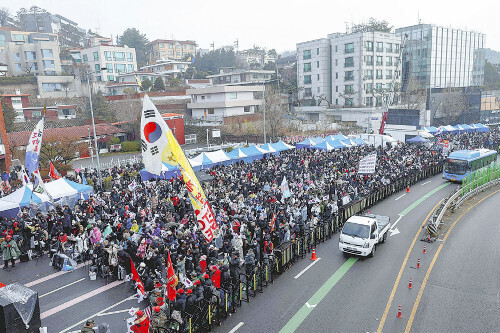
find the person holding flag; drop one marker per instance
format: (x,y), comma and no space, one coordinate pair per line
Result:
(32,157)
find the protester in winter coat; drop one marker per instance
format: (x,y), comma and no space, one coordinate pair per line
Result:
(10,252)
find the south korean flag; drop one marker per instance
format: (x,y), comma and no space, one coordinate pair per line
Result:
(153,136)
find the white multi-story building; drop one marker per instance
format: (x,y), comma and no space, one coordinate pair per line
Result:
(354,69)
(215,103)
(116,60)
(441,57)
(230,76)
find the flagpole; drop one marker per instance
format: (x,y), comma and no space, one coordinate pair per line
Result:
(95,136)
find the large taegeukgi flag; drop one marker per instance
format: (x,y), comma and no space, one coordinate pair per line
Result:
(160,145)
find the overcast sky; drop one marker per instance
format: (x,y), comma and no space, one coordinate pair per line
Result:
(271,23)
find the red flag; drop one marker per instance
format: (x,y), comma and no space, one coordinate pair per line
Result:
(137,278)
(171,280)
(273,220)
(53,172)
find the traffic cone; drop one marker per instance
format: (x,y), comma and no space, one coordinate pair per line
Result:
(399,313)
(424,250)
(408,189)
(313,257)
(418,263)
(409,285)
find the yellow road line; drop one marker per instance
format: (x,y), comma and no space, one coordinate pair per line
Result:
(422,287)
(396,283)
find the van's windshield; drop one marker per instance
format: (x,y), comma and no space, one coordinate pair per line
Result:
(356,230)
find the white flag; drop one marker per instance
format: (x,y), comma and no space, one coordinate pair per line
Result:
(367,164)
(32,156)
(285,188)
(153,136)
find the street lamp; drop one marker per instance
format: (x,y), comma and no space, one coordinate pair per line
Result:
(99,176)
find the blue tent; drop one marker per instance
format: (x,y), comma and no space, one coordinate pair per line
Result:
(467,128)
(253,153)
(336,143)
(10,204)
(167,172)
(309,142)
(237,155)
(339,136)
(203,160)
(323,146)
(431,129)
(417,139)
(481,128)
(360,142)
(280,146)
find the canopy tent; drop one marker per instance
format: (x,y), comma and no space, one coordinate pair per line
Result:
(323,146)
(280,146)
(449,129)
(253,153)
(309,142)
(425,134)
(360,142)
(464,128)
(237,155)
(417,139)
(431,129)
(269,148)
(66,192)
(337,144)
(481,128)
(23,197)
(339,136)
(202,160)
(218,156)
(348,142)
(167,172)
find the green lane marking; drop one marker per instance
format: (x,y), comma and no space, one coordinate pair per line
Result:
(419,201)
(299,317)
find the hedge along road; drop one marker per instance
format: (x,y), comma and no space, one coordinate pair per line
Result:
(307,301)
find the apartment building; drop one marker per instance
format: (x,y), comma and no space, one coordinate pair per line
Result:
(440,57)
(230,76)
(162,49)
(115,59)
(29,53)
(354,69)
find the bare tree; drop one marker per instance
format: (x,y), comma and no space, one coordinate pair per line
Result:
(276,109)
(414,96)
(451,105)
(4,14)
(347,95)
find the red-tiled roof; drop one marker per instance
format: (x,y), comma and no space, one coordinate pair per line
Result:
(17,139)
(198,81)
(168,115)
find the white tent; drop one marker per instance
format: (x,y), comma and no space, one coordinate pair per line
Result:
(218,156)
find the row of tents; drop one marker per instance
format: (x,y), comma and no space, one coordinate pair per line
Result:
(62,192)
(330,142)
(461,128)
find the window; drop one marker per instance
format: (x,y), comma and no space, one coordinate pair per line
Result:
(178,54)
(120,68)
(317,51)
(18,67)
(336,88)
(49,64)
(349,62)
(369,88)
(233,95)
(336,62)
(211,111)
(387,87)
(99,78)
(307,67)
(169,46)
(336,75)
(380,47)
(349,101)
(349,76)
(369,74)
(17,56)
(36,114)
(307,79)
(307,92)
(317,77)
(349,89)
(85,58)
(2,40)
(369,101)
(130,57)
(336,101)
(369,60)
(246,108)
(130,68)
(336,48)
(119,56)
(96,56)
(107,55)
(183,46)
(32,65)
(369,46)
(97,67)
(379,60)
(51,87)
(388,61)
(349,48)
(317,64)
(379,74)
(29,55)
(396,48)
(378,101)
(111,78)
(307,54)
(109,68)
(170,53)
(388,48)
(388,74)
(47,53)
(378,87)
(17,37)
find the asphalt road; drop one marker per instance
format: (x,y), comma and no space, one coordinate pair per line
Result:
(345,294)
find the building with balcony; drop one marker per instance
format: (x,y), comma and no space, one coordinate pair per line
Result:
(350,70)
(230,76)
(167,67)
(215,103)
(29,53)
(18,102)
(115,59)
(441,57)
(56,112)
(163,49)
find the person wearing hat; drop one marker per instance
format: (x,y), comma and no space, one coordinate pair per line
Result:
(158,320)
(141,323)
(10,251)
(191,303)
(103,328)
(89,327)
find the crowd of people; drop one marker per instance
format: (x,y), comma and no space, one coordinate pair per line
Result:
(139,225)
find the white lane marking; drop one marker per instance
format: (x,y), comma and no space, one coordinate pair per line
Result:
(112,312)
(400,197)
(98,313)
(79,299)
(305,269)
(53,291)
(394,232)
(311,305)
(395,223)
(51,276)
(235,327)
(427,182)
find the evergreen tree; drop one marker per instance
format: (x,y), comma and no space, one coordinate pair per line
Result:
(159,85)
(133,38)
